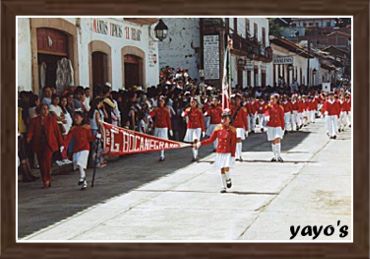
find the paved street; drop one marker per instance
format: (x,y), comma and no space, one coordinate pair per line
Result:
(138,198)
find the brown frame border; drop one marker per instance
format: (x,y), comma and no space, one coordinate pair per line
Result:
(358,8)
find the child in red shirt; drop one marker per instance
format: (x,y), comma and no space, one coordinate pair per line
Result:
(82,136)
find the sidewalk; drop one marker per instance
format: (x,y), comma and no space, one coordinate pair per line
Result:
(312,186)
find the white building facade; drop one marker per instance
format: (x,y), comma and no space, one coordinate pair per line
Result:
(123,52)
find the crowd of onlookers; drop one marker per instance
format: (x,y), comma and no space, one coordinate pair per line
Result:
(127,108)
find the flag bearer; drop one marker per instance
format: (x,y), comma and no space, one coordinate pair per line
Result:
(162,122)
(225,152)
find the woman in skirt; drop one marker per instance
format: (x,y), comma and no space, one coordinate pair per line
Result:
(214,112)
(225,152)
(162,122)
(82,136)
(195,125)
(275,126)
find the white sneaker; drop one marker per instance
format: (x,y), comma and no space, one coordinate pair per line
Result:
(59,162)
(67,161)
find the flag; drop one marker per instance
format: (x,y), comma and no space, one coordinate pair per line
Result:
(120,141)
(226,79)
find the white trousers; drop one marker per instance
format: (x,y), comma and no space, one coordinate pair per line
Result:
(344,119)
(332,125)
(261,120)
(288,121)
(295,120)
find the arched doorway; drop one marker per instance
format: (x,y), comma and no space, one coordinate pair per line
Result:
(133,66)
(100,63)
(51,40)
(99,68)
(133,62)
(52,46)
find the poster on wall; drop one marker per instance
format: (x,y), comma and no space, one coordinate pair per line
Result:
(211,57)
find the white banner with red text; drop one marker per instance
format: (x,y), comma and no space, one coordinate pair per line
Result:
(120,141)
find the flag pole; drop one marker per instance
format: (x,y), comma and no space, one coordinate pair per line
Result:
(95,161)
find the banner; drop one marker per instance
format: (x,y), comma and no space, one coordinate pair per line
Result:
(226,82)
(119,141)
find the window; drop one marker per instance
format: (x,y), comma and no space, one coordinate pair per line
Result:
(263,37)
(236,25)
(246,27)
(255,31)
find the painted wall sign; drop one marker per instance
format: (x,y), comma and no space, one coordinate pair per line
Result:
(211,57)
(116,30)
(283,60)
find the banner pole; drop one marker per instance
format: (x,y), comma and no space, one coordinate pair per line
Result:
(95,162)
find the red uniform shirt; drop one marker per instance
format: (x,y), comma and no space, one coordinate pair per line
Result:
(239,119)
(261,108)
(161,117)
(195,119)
(301,106)
(295,106)
(226,137)
(312,105)
(346,106)
(276,113)
(333,108)
(287,106)
(82,136)
(215,114)
(251,108)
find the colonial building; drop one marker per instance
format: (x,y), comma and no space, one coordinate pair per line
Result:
(292,62)
(86,51)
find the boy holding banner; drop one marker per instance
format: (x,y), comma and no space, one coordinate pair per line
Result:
(162,122)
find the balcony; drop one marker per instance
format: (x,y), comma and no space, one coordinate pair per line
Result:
(251,48)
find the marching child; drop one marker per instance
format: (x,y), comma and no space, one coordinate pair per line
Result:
(225,153)
(331,109)
(261,109)
(296,120)
(195,125)
(275,126)
(240,122)
(162,122)
(81,134)
(288,110)
(214,111)
(345,114)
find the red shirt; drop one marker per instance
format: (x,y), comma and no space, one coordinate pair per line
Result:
(312,105)
(82,136)
(295,106)
(346,106)
(301,106)
(161,117)
(276,113)
(215,114)
(226,137)
(261,108)
(251,108)
(195,117)
(240,119)
(287,106)
(333,108)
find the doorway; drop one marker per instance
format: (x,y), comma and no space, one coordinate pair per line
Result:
(99,68)
(133,70)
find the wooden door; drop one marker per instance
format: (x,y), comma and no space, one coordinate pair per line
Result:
(99,68)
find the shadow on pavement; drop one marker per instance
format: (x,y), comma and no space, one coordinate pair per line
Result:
(39,208)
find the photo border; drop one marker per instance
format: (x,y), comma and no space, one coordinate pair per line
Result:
(360,11)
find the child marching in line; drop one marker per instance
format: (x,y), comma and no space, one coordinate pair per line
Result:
(162,122)
(261,109)
(82,135)
(251,109)
(214,112)
(345,114)
(195,125)
(225,152)
(288,110)
(275,126)
(297,123)
(239,121)
(331,109)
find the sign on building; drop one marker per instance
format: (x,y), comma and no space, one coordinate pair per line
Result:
(326,87)
(116,30)
(282,60)
(211,57)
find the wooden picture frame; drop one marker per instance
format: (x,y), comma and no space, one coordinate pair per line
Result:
(358,249)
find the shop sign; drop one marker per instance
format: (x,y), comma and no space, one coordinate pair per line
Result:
(116,30)
(282,60)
